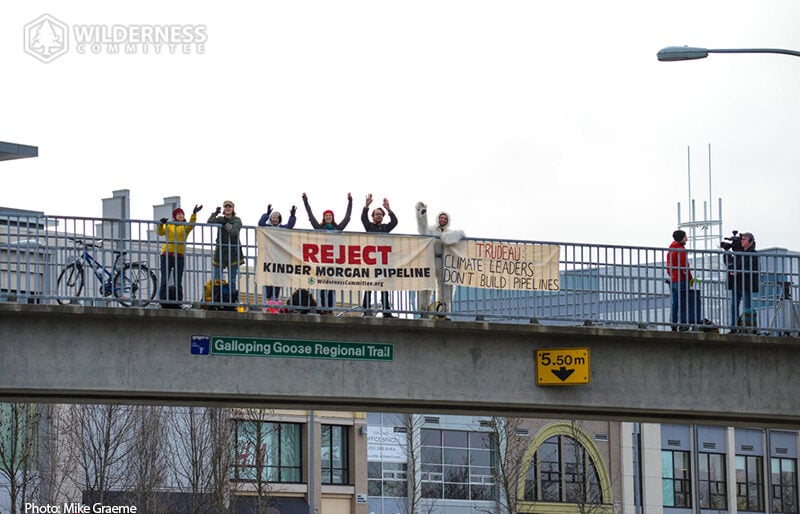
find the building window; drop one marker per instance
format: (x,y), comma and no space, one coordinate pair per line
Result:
(784,485)
(457,465)
(562,472)
(334,448)
(580,479)
(387,479)
(749,483)
(549,463)
(676,478)
(267,451)
(711,475)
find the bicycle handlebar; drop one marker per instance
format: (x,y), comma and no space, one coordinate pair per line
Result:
(82,243)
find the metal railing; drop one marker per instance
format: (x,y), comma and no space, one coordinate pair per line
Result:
(623,286)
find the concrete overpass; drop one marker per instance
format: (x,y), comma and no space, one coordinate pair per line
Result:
(91,354)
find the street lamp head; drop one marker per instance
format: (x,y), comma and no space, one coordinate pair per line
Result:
(685,53)
(681,53)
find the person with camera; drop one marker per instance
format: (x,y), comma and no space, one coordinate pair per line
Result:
(681,278)
(742,278)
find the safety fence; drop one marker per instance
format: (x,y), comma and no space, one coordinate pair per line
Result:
(108,262)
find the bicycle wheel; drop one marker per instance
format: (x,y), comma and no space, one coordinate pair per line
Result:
(135,284)
(69,284)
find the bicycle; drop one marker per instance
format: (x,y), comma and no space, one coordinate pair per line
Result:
(127,281)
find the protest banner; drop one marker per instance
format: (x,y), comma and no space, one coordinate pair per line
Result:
(502,265)
(344,261)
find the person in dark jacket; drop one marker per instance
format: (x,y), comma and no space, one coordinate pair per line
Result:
(328,219)
(273,219)
(742,277)
(327,298)
(228,251)
(377,225)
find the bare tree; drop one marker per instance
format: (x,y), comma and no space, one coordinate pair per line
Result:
(509,445)
(147,463)
(221,459)
(254,435)
(200,447)
(407,436)
(580,479)
(586,489)
(100,439)
(55,466)
(18,428)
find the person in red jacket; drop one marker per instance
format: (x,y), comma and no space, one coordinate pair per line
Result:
(680,277)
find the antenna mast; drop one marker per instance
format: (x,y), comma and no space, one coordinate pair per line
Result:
(703,234)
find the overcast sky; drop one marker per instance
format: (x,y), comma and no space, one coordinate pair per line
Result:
(546,121)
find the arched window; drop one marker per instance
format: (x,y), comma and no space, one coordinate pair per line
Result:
(562,471)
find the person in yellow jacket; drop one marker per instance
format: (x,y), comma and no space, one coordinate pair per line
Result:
(172,259)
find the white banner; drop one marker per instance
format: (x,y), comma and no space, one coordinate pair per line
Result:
(344,261)
(386,445)
(499,265)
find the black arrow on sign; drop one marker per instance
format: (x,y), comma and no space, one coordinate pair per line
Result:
(563,373)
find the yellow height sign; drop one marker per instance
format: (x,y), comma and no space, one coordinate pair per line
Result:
(562,366)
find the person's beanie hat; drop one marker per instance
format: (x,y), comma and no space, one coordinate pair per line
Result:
(326,212)
(176,212)
(678,235)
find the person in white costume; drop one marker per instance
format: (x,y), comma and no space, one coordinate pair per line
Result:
(445,237)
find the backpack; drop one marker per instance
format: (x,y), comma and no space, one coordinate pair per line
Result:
(438,307)
(172,297)
(208,295)
(275,307)
(220,292)
(304,299)
(749,318)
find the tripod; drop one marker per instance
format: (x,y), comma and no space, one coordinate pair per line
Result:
(785,318)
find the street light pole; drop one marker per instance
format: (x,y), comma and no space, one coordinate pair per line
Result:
(685,53)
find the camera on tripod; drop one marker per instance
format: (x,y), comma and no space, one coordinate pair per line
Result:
(732,243)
